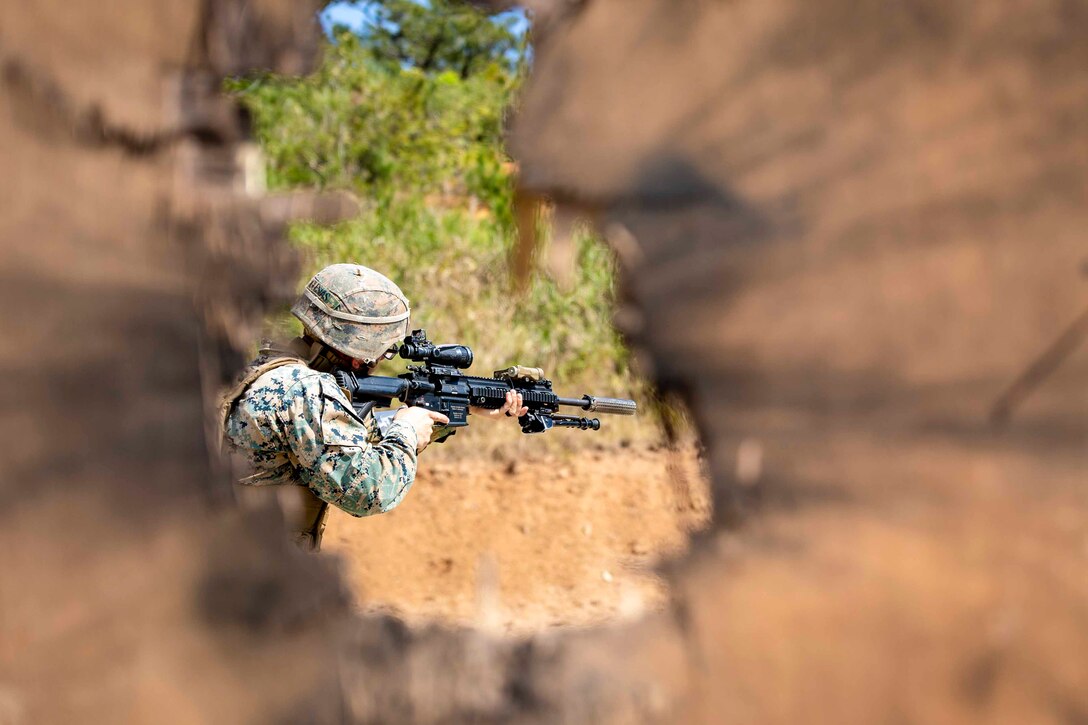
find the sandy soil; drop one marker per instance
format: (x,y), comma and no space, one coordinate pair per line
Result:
(527,545)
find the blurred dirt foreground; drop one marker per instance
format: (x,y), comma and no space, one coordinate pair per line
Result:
(846,230)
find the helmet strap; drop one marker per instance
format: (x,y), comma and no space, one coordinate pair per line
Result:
(323,358)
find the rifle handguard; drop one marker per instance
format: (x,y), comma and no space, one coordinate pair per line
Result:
(613,406)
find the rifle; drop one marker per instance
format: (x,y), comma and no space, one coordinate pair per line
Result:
(439,384)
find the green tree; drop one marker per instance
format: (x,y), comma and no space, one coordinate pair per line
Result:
(440,35)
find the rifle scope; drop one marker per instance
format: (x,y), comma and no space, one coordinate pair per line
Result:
(418,348)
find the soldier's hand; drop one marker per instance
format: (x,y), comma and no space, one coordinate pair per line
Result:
(422,420)
(514,407)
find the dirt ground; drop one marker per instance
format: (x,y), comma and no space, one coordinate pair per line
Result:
(527,545)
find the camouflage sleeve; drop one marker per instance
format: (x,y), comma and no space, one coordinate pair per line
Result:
(335,458)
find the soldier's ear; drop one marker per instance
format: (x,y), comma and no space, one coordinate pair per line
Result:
(357,364)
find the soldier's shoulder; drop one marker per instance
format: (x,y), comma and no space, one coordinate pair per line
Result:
(290,379)
(286,375)
(296,380)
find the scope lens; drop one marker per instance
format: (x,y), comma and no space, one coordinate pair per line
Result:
(458,356)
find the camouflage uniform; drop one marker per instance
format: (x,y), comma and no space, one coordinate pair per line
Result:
(294,426)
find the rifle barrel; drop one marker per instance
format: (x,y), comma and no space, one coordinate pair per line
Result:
(614,406)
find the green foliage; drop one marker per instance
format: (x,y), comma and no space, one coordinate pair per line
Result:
(386,132)
(424,150)
(440,36)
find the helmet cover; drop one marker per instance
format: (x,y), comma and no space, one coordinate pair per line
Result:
(354,310)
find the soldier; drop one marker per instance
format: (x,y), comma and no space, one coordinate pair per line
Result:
(292,427)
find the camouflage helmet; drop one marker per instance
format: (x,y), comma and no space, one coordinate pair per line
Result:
(354,310)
